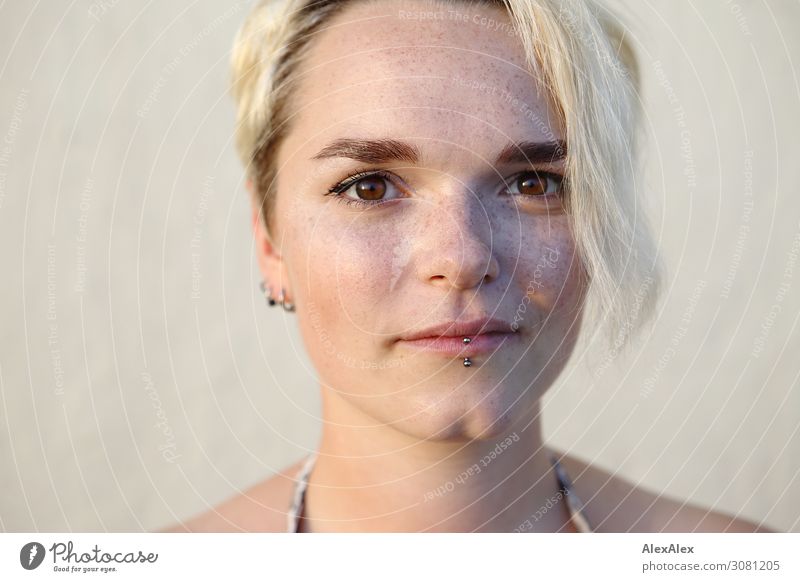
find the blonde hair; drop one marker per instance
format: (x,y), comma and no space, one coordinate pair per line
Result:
(581,58)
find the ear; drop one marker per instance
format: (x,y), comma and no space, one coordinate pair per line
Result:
(270,262)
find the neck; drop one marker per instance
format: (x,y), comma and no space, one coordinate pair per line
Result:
(370,477)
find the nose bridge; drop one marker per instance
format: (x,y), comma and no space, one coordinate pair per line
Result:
(463,216)
(455,242)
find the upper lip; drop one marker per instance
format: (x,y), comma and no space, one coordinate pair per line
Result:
(460,328)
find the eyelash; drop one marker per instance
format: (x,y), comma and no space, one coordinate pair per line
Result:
(338,189)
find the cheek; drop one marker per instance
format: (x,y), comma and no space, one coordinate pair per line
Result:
(353,260)
(344,269)
(553,279)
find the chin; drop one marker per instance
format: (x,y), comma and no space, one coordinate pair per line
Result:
(466,416)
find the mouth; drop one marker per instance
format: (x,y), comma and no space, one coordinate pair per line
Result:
(454,345)
(485,336)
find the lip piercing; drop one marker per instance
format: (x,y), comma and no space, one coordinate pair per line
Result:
(467,361)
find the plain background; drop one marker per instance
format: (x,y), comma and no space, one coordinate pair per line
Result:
(143,380)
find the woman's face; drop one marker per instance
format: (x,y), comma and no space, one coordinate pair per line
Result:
(459,235)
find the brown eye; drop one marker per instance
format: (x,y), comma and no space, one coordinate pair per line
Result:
(366,189)
(532,184)
(371,188)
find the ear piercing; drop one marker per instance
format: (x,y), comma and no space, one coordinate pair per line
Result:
(281,299)
(467,361)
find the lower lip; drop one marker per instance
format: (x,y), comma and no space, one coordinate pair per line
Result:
(455,346)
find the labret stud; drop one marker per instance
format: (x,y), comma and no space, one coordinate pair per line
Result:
(467,361)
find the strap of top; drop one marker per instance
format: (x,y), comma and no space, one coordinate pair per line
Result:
(574,503)
(298,499)
(572,500)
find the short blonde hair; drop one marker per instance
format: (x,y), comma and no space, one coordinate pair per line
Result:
(578,53)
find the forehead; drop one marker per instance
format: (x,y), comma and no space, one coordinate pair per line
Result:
(421,70)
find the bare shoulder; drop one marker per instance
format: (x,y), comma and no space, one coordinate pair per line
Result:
(261,508)
(614,504)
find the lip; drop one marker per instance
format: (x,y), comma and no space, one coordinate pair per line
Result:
(486,335)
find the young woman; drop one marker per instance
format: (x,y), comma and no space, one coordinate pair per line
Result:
(443,196)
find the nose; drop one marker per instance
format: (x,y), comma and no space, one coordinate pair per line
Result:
(454,244)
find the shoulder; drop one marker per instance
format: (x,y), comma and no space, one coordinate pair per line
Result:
(613,504)
(261,508)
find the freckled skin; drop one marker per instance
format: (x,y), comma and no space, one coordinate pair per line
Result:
(452,246)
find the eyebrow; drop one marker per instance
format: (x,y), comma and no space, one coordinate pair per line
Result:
(380,151)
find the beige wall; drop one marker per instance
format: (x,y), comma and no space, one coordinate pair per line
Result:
(142,379)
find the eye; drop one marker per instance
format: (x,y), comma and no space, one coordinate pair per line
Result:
(537,184)
(371,188)
(365,189)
